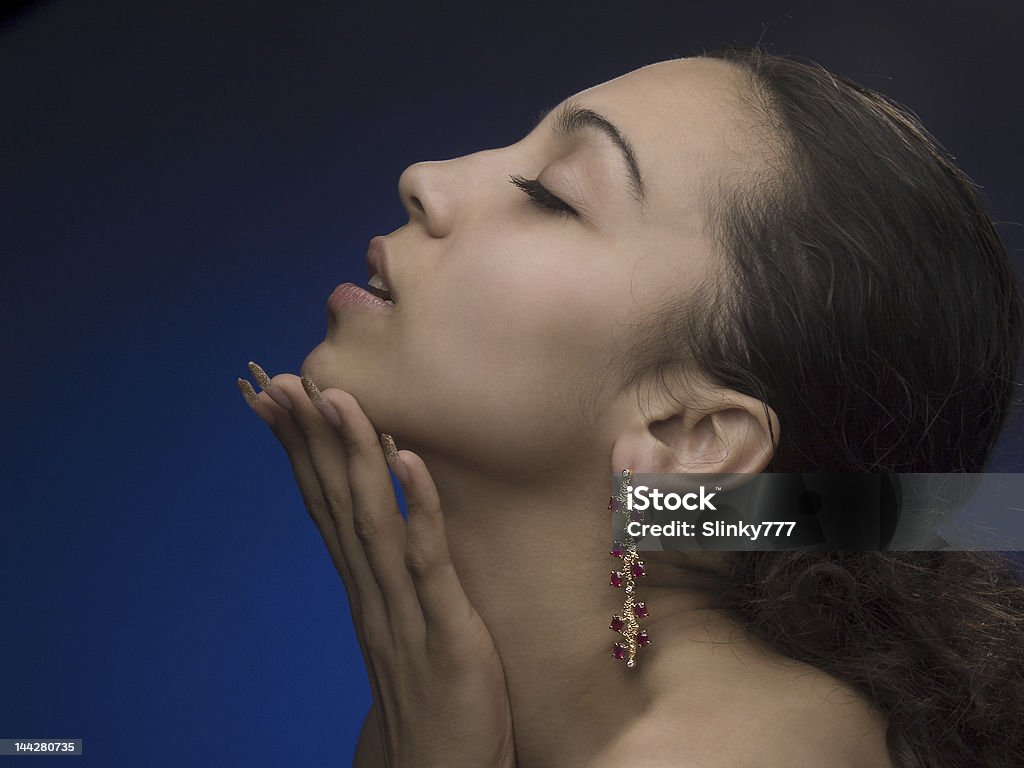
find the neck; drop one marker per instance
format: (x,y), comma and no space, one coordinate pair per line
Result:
(534,560)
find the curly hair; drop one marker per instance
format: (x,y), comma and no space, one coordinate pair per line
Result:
(934,639)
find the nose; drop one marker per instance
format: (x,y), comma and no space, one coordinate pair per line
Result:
(427,197)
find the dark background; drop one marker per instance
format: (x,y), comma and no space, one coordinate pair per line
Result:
(183,184)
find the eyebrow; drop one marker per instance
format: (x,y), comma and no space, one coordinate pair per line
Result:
(572,118)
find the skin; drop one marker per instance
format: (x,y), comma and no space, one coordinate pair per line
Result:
(486,616)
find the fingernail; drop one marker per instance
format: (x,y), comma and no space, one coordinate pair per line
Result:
(264,381)
(254,401)
(324,406)
(248,392)
(311,389)
(394,460)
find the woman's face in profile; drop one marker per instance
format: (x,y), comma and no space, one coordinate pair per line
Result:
(507,313)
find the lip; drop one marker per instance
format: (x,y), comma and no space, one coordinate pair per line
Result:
(350,294)
(377,263)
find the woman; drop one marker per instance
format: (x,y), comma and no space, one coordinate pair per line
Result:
(732,263)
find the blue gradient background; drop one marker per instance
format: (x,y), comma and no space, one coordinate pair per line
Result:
(183,184)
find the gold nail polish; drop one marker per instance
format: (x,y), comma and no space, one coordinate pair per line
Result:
(276,393)
(393,459)
(311,389)
(260,375)
(390,449)
(248,392)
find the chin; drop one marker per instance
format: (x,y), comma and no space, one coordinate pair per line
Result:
(324,367)
(313,366)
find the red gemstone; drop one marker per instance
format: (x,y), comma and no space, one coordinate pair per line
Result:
(615,504)
(638,569)
(617,552)
(640,610)
(616,579)
(619,651)
(617,623)
(636,516)
(642,638)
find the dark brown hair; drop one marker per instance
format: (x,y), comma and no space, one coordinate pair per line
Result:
(868,300)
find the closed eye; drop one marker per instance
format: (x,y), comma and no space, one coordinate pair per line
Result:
(540,195)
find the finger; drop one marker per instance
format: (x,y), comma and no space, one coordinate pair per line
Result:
(376,518)
(327,475)
(279,417)
(258,405)
(267,385)
(273,406)
(446,608)
(306,478)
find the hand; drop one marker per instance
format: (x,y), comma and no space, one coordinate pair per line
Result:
(437,680)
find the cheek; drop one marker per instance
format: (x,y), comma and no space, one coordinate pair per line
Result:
(531,319)
(515,356)
(538,291)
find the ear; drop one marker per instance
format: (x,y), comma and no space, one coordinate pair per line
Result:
(708,429)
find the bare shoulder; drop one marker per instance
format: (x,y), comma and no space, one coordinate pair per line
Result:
(740,706)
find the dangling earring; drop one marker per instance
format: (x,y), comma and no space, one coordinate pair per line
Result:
(626,623)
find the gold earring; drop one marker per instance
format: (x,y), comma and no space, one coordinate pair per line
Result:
(627,622)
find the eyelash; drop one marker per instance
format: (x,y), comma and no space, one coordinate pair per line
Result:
(543,198)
